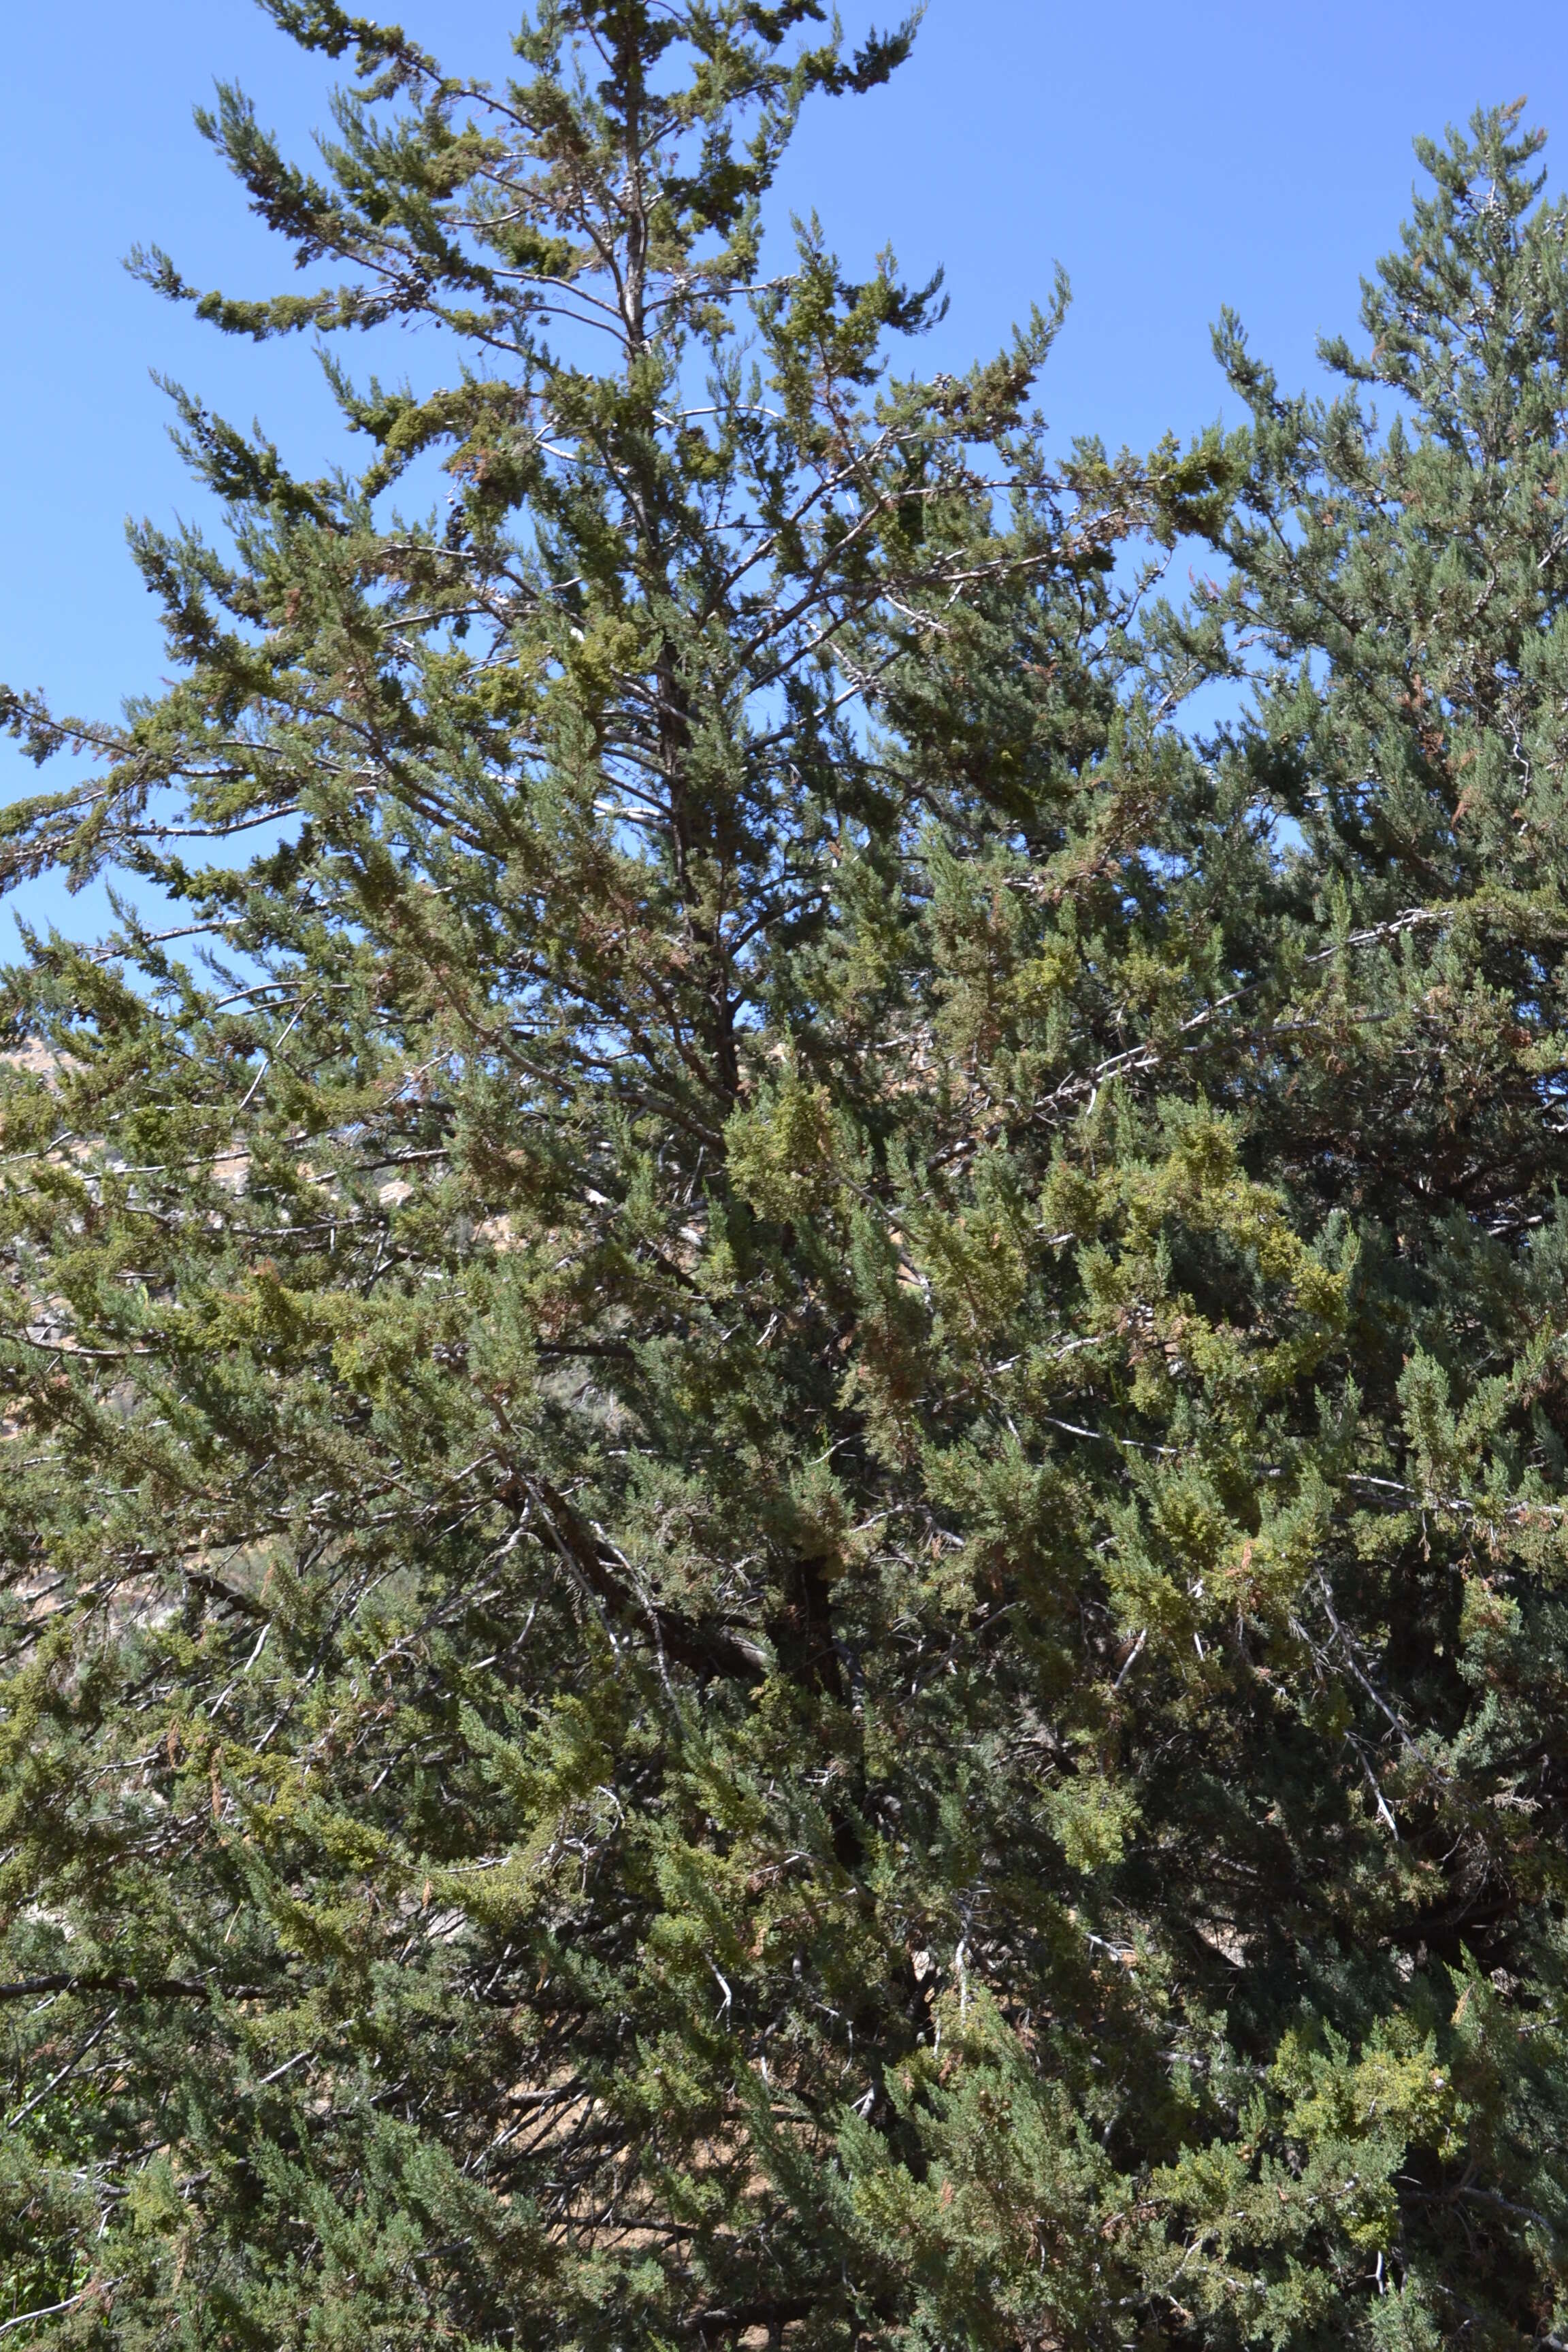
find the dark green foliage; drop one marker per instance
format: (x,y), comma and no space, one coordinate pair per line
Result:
(783,1514)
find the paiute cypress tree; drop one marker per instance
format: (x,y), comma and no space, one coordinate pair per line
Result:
(780,1516)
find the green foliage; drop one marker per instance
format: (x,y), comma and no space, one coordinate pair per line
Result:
(782,1523)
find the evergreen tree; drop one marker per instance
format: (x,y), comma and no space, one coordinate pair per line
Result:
(781,1519)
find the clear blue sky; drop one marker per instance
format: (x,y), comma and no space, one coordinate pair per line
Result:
(1230,151)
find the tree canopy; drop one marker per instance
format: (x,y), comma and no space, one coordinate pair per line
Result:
(782,1522)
